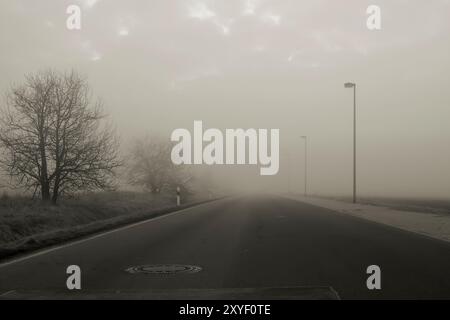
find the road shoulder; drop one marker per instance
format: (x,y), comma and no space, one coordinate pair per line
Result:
(426,223)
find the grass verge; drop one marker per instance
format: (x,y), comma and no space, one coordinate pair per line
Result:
(27,225)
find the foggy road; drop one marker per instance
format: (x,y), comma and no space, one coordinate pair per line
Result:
(242,242)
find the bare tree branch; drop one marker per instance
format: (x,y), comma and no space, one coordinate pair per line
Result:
(151,166)
(54,138)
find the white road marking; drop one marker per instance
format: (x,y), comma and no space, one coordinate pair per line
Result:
(45,251)
(4,294)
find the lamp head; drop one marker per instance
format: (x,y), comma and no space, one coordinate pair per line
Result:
(349,85)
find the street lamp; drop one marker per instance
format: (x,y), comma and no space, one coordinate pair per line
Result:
(353,85)
(306,164)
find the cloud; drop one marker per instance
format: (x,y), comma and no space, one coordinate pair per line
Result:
(89,3)
(95,56)
(250,7)
(92,53)
(293,55)
(123,32)
(201,11)
(271,18)
(194,75)
(225,27)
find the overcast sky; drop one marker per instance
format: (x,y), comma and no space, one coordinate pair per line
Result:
(160,64)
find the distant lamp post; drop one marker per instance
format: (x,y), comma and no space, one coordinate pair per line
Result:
(306,165)
(353,85)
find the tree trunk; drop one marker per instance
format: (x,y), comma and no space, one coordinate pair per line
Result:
(45,185)
(55,190)
(54,197)
(45,191)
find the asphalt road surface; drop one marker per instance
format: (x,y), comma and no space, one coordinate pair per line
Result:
(247,242)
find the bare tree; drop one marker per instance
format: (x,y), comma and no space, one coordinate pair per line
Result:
(55,139)
(151,166)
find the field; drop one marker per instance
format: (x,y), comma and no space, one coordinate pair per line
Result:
(423,205)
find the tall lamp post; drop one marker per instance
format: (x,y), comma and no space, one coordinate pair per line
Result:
(306,164)
(353,85)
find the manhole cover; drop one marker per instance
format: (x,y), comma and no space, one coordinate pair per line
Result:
(164,269)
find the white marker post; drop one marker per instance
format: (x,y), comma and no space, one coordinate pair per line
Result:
(178,197)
